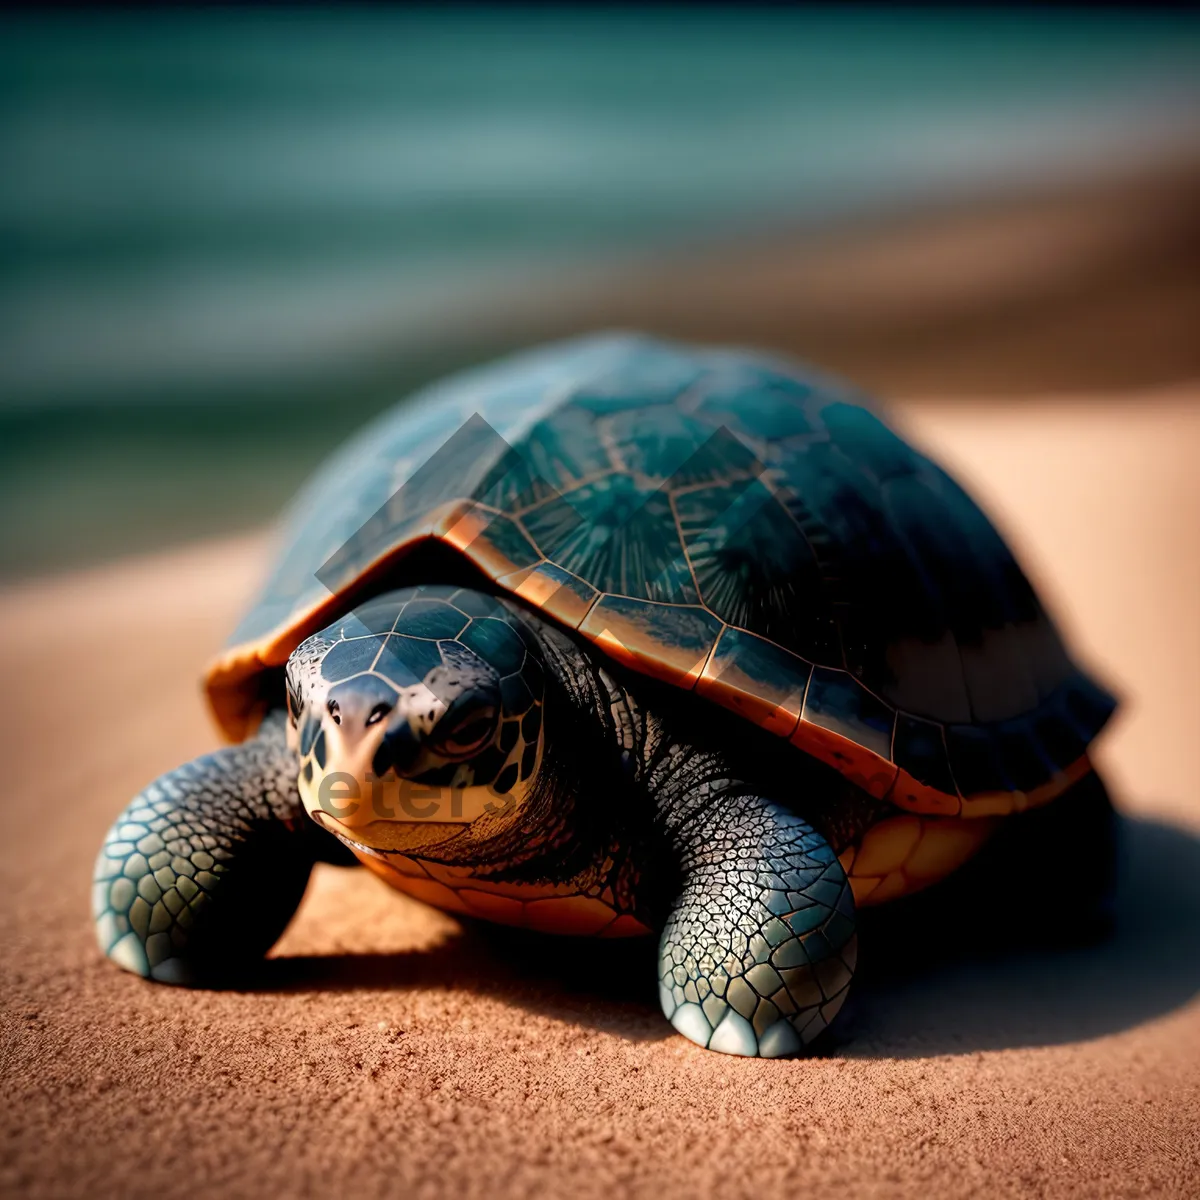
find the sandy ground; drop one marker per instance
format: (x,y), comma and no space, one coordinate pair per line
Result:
(390,1050)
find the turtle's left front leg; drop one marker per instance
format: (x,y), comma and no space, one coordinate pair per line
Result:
(759,945)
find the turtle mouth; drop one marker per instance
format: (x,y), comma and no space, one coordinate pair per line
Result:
(339,831)
(401,819)
(385,839)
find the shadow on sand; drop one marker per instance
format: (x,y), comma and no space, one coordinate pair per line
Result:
(606,985)
(938,979)
(943,973)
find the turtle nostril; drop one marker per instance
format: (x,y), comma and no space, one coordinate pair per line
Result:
(378,713)
(399,749)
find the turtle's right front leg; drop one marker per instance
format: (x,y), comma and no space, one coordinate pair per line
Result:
(201,873)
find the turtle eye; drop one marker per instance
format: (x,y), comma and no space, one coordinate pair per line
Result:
(467,733)
(335,711)
(378,713)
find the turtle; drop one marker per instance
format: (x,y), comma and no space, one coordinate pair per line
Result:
(622,637)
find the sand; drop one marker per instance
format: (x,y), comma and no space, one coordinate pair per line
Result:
(389,1050)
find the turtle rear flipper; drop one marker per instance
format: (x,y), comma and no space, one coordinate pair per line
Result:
(201,873)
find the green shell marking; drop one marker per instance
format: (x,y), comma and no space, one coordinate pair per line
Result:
(726,520)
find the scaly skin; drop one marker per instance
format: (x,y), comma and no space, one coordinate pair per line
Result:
(758,947)
(757,944)
(627,827)
(203,870)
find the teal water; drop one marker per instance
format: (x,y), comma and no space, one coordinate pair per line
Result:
(209,218)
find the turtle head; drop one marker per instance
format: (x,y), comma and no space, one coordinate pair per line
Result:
(421,709)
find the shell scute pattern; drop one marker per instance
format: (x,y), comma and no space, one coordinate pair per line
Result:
(563,451)
(763,411)
(619,537)
(838,702)
(755,569)
(733,524)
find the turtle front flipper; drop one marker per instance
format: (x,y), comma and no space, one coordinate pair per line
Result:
(203,870)
(759,947)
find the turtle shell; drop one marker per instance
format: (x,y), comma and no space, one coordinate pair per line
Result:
(728,522)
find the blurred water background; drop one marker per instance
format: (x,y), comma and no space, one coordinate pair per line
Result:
(228,237)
